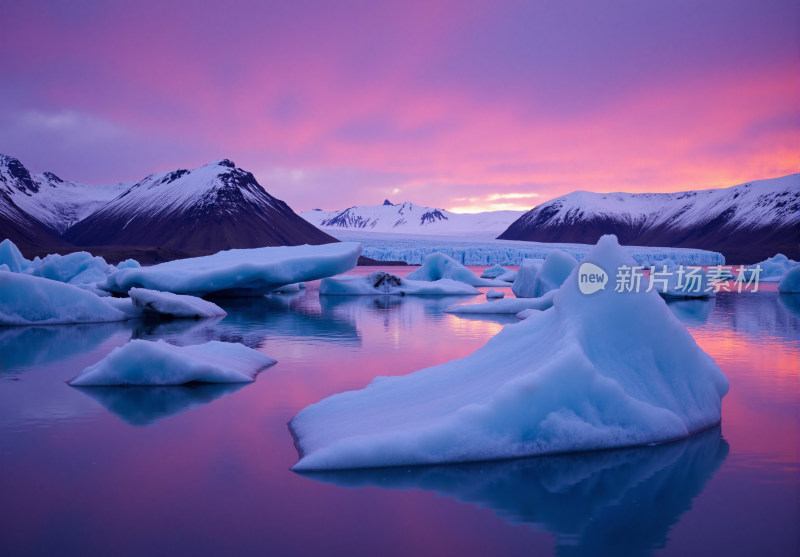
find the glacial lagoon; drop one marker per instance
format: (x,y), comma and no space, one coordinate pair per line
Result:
(205,469)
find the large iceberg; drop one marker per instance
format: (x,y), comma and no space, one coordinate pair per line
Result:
(609,369)
(144,362)
(536,277)
(79,267)
(240,272)
(790,282)
(440,266)
(12,257)
(29,300)
(382,283)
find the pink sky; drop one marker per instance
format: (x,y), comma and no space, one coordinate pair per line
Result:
(465,105)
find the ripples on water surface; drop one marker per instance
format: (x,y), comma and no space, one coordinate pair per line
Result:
(204,470)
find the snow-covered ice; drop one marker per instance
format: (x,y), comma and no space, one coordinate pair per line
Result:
(144,362)
(509,305)
(240,272)
(790,282)
(494,272)
(29,300)
(492,293)
(440,266)
(772,269)
(173,305)
(610,369)
(382,283)
(536,277)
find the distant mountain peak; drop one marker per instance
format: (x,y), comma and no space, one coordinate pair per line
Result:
(387,202)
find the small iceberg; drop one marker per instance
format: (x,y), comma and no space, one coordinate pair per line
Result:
(595,371)
(790,281)
(510,305)
(772,269)
(494,272)
(497,294)
(382,283)
(240,272)
(144,362)
(439,266)
(29,300)
(537,277)
(153,302)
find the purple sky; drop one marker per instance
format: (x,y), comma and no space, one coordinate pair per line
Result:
(470,105)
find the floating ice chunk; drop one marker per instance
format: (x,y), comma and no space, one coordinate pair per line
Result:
(289,288)
(382,283)
(173,305)
(492,293)
(29,300)
(509,305)
(494,272)
(772,269)
(790,282)
(144,362)
(508,276)
(440,266)
(240,272)
(536,277)
(610,369)
(128,264)
(11,256)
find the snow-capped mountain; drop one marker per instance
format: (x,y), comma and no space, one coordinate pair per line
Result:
(56,203)
(409,218)
(746,223)
(217,206)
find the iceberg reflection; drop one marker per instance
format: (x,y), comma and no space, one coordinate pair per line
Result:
(619,502)
(140,406)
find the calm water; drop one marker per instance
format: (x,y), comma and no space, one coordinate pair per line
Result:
(205,470)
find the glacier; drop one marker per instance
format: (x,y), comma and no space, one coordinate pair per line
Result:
(240,272)
(382,283)
(440,266)
(610,369)
(413,248)
(145,362)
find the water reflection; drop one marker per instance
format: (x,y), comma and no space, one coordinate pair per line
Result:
(691,311)
(141,406)
(582,499)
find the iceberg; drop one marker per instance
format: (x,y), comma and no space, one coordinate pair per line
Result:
(510,305)
(492,293)
(494,272)
(790,281)
(144,362)
(536,277)
(440,266)
(382,283)
(173,305)
(12,257)
(605,370)
(508,276)
(239,272)
(29,300)
(79,267)
(772,269)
